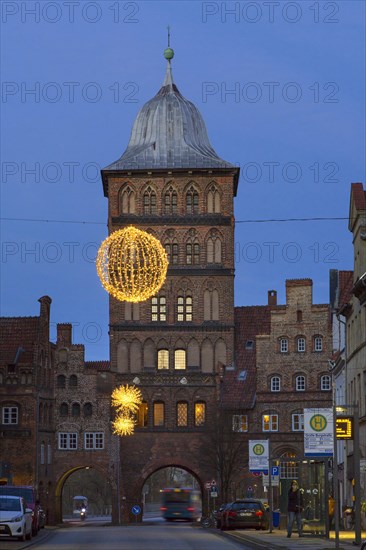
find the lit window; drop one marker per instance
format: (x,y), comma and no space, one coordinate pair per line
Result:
(159,414)
(199,413)
(184,308)
(270,422)
(275,383)
(240,423)
(163,359)
(283,345)
(301,345)
(94,440)
(142,415)
(68,441)
(297,422)
(158,308)
(325,382)
(182,413)
(318,343)
(10,415)
(300,383)
(180,359)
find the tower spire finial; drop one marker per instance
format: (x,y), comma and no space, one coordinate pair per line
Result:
(168,27)
(168,52)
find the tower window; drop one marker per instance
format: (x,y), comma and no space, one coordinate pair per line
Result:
(159,413)
(149,201)
(180,361)
(158,308)
(170,201)
(182,413)
(192,201)
(199,413)
(184,308)
(163,359)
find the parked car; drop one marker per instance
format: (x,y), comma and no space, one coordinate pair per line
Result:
(243,513)
(218,514)
(29,495)
(15,518)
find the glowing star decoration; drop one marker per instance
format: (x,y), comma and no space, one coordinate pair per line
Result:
(132,265)
(123,425)
(126,399)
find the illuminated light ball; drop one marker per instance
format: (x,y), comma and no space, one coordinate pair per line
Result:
(123,425)
(132,265)
(126,398)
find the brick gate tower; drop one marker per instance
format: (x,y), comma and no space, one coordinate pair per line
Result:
(174,346)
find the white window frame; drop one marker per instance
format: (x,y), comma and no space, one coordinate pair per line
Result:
(318,343)
(275,383)
(284,345)
(158,308)
(325,378)
(297,422)
(300,383)
(270,422)
(240,423)
(68,441)
(93,441)
(301,344)
(10,415)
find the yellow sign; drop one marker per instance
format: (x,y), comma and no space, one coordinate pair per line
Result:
(318,422)
(258,449)
(344,427)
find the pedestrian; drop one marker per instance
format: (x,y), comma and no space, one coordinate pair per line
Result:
(294,508)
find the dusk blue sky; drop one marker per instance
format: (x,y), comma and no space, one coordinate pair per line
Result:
(295,123)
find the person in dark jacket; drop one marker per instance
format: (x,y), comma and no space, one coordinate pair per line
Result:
(294,508)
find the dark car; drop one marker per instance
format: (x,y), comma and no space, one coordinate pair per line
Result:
(218,514)
(243,513)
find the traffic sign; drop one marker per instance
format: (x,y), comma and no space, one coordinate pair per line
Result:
(208,485)
(275,471)
(136,510)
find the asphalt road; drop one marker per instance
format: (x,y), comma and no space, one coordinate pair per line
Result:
(160,536)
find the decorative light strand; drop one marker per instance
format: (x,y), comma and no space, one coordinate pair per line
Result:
(132,265)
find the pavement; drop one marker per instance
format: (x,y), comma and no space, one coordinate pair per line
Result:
(277,540)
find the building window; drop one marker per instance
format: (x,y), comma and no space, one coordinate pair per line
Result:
(158,308)
(132,311)
(184,308)
(127,201)
(64,409)
(180,362)
(199,413)
(159,413)
(182,413)
(298,422)
(88,409)
(275,383)
(299,316)
(192,201)
(211,308)
(172,251)
(149,201)
(301,345)
(94,440)
(68,441)
(42,453)
(325,383)
(163,359)
(240,423)
(192,252)
(61,381)
(318,343)
(289,469)
(213,250)
(283,345)
(49,454)
(249,344)
(142,415)
(75,409)
(73,381)
(213,200)
(10,415)
(300,383)
(270,422)
(170,201)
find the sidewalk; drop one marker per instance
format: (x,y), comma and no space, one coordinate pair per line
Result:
(278,540)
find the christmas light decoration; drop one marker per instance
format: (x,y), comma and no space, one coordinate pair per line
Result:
(126,399)
(132,265)
(123,425)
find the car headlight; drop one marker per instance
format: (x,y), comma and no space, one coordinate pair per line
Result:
(16,519)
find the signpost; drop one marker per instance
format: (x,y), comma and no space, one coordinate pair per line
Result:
(258,455)
(136,510)
(318,432)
